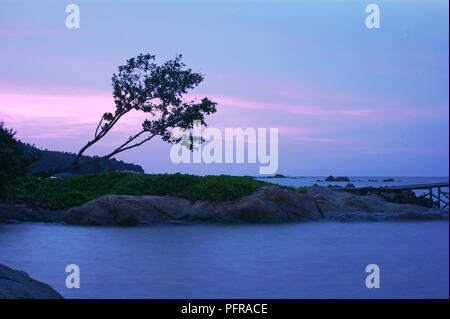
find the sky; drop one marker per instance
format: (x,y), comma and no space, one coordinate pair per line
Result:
(346,99)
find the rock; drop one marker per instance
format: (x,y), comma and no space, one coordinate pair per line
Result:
(347,206)
(350,185)
(18,211)
(337,179)
(268,204)
(16,284)
(128,210)
(405,197)
(276,176)
(388,180)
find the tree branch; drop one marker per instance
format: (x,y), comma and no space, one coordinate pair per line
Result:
(99,136)
(98,126)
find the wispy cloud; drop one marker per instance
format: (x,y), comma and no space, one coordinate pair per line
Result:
(317,110)
(29,32)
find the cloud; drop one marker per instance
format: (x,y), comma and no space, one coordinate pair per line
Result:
(315,110)
(29,32)
(73,109)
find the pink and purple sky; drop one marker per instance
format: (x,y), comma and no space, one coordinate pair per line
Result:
(347,100)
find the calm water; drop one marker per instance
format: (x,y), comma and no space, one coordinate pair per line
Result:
(304,260)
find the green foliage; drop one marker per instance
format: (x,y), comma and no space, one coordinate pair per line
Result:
(77,190)
(302,190)
(13,163)
(159,90)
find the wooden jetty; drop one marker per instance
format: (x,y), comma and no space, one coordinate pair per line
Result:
(442,197)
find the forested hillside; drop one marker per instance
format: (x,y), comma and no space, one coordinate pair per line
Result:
(54,159)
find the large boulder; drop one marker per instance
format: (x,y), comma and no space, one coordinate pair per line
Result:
(16,284)
(268,204)
(128,210)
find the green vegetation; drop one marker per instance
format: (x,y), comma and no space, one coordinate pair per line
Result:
(302,190)
(77,190)
(13,163)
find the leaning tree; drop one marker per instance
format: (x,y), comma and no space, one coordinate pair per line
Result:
(158,90)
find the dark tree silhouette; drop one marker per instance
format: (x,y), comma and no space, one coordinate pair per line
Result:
(13,163)
(142,85)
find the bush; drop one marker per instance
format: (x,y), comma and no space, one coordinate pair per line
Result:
(77,190)
(13,164)
(302,190)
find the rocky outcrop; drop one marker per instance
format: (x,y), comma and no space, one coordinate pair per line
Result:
(128,210)
(337,179)
(405,197)
(21,211)
(269,204)
(342,205)
(16,284)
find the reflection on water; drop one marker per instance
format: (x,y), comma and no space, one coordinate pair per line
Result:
(305,260)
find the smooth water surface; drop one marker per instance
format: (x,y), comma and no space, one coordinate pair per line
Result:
(303,260)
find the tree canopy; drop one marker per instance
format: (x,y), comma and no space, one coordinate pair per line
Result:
(157,90)
(13,163)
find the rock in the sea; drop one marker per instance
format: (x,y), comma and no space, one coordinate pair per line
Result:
(126,210)
(18,211)
(268,204)
(405,197)
(16,284)
(388,180)
(337,179)
(342,205)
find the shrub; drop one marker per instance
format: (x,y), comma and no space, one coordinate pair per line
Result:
(13,164)
(77,190)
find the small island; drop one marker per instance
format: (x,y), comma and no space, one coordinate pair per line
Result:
(126,199)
